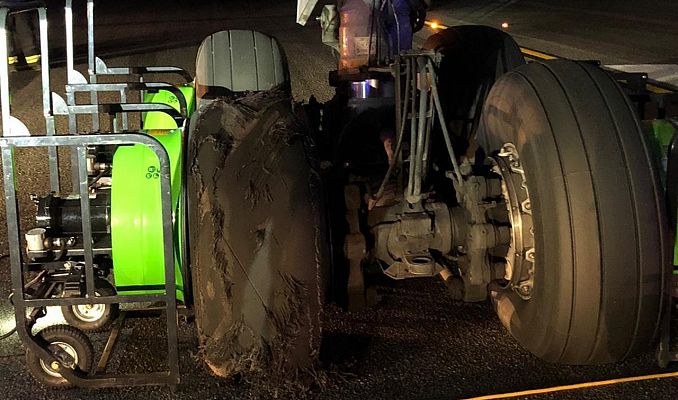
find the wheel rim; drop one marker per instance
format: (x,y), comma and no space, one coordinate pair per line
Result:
(89,312)
(52,368)
(520,258)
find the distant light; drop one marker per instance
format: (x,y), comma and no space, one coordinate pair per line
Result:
(434,25)
(505,25)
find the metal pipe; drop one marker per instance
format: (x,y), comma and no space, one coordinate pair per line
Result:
(399,140)
(443,126)
(427,140)
(73,130)
(50,127)
(86,221)
(68,14)
(123,117)
(399,100)
(4,73)
(91,64)
(413,132)
(90,38)
(12,214)
(421,130)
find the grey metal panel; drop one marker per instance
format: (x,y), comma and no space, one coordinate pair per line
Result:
(244,61)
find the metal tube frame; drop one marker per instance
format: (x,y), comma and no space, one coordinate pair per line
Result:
(119,108)
(131,86)
(50,127)
(96,66)
(22,304)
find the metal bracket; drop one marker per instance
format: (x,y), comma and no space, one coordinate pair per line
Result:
(413,266)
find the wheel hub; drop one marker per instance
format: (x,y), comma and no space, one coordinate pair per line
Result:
(54,366)
(89,312)
(520,258)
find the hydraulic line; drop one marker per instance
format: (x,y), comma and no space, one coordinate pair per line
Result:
(399,140)
(443,125)
(411,83)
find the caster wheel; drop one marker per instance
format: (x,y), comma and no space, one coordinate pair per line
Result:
(74,343)
(93,317)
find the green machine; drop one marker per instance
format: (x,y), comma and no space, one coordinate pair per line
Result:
(136,224)
(116,243)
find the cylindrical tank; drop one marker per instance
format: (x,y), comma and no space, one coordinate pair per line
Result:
(357,38)
(63,215)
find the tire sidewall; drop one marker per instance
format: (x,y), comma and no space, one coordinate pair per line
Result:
(532,317)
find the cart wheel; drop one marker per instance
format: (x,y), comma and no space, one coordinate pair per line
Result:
(93,317)
(72,341)
(601,256)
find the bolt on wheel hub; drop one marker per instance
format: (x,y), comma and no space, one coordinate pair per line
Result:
(54,366)
(89,312)
(521,255)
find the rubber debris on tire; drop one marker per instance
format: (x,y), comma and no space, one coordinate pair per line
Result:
(254,233)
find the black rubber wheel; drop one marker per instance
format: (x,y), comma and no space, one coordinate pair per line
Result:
(256,243)
(97,317)
(602,254)
(74,342)
(473,57)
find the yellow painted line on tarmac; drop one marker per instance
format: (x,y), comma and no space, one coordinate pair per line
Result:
(577,386)
(537,54)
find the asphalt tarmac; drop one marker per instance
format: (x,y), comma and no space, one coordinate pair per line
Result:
(416,343)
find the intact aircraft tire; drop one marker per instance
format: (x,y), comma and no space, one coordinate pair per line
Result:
(255,236)
(602,254)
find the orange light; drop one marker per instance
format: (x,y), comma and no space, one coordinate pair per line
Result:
(434,25)
(505,25)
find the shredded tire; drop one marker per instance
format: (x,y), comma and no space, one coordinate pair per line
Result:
(255,237)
